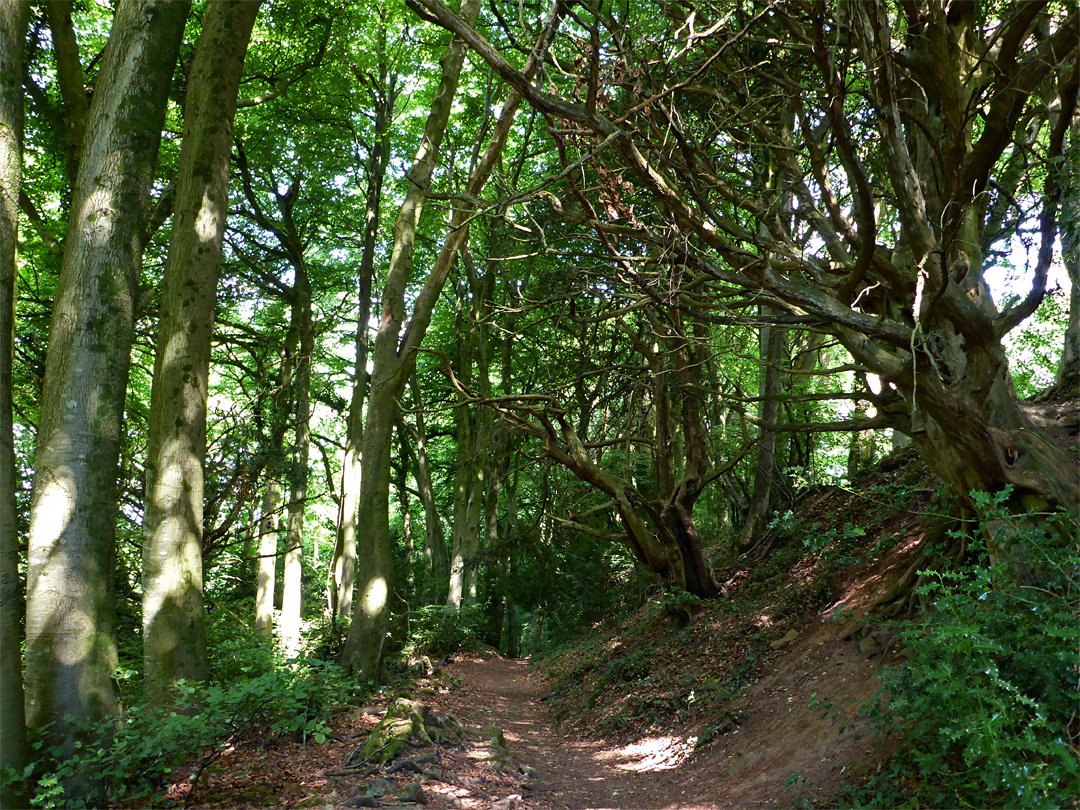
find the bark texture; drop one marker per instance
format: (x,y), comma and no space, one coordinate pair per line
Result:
(174,622)
(70,616)
(292,581)
(342,573)
(14,16)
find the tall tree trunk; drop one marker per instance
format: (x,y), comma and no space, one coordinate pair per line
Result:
(468,476)
(509,526)
(293,395)
(174,621)
(437,561)
(292,582)
(268,549)
(70,616)
(342,572)
(861,449)
(392,363)
(14,17)
(1069,365)
(375,577)
(72,82)
(473,426)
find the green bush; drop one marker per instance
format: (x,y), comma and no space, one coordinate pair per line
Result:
(134,755)
(437,630)
(987,702)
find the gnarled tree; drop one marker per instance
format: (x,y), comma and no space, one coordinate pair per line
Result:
(906,118)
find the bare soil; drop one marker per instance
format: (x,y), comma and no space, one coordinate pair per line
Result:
(756,703)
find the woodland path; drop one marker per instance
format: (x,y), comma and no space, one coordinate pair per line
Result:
(572,773)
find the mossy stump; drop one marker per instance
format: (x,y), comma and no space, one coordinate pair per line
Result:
(407,722)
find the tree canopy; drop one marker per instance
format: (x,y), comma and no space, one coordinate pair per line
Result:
(494,307)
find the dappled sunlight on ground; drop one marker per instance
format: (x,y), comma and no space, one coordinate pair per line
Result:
(649,754)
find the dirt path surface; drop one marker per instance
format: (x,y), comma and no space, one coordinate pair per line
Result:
(570,773)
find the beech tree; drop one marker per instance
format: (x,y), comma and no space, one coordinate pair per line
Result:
(174,634)
(70,633)
(14,18)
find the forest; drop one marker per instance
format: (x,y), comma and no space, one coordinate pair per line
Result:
(336,338)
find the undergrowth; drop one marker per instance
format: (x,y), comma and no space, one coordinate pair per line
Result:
(987,704)
(131,759)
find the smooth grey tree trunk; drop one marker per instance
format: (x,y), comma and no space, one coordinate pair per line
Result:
(342,572)
(174,621)
(70,616)
(292,584)
(393,360)
(14,17)
(268,543)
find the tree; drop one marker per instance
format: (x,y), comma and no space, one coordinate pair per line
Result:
(393,361)
(174,635)
(14,17)
(70,633)
(342,577)
(902,289)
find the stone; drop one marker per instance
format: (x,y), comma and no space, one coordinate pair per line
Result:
(379,787)
(413,793)
(870,645)
(361,801)
(786,639)
(511,802)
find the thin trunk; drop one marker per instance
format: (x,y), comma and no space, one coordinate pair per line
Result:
(402,493)
(274,494)
(390,370)
(474,429)
(394,358)
(436,559)
(174,621)
(69,75)
(268,544)
(342,572)
(1069,365)
(14,17)
(861,449)
(468,500)
(771,352)
(292,586)
(70,618)
(509,526)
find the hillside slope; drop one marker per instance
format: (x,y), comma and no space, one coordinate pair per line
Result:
(767,683)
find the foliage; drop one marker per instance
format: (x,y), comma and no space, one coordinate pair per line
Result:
(437,630)
(132,759)
(987,702)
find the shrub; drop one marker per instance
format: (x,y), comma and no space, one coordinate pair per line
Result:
(437,630)
(135,753)
(987,702)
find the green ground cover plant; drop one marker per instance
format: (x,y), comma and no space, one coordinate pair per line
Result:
(987,703)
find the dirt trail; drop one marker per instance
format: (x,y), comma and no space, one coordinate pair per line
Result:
(571,773)
(783,747)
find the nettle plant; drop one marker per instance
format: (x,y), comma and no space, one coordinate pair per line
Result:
(988,702)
